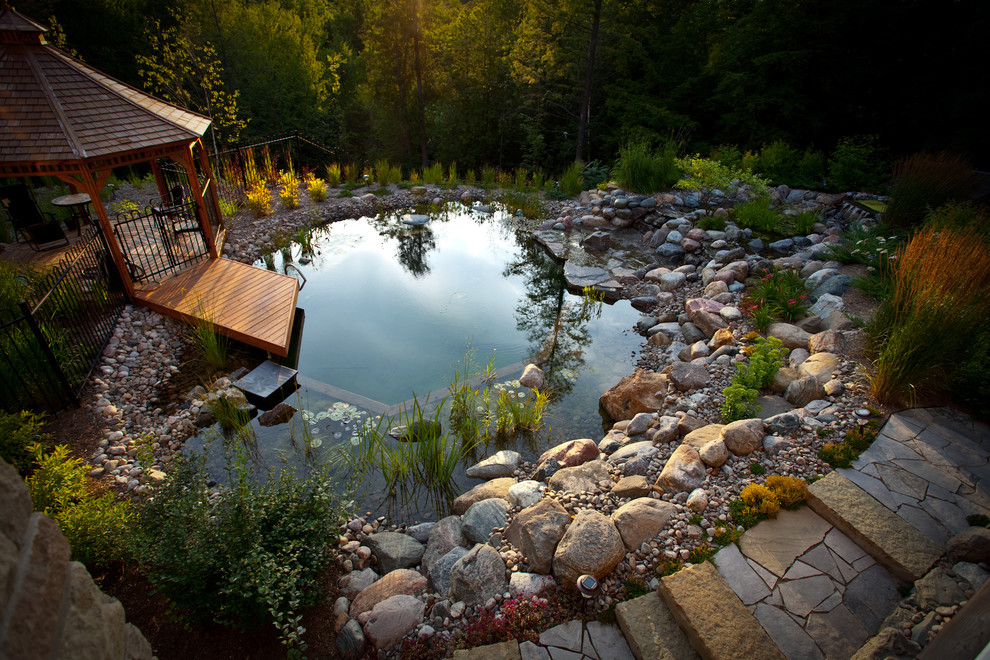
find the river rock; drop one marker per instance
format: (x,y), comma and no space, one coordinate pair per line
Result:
(802,391)
(528,585)
(483,517)
(783,423)
(700,437)
(697,501)
(525,493)
(438,578)
(351,642)
(532,377)
(837,320)
(666,429)
(570,453)
(280,414)
(826,304)
(641,519)
(487,490)
(394,550)
(500,464)
(591,545)
(535,532)
(641,391)
(709,323)
(478,576)
(829,341)
(357,581)
(598,240)
(391,619)
(686,376)
(401,581)
(581,479)
(743,436)
(634,485)
(819,366)
(714,453)
(446,535)
(789,335)
(639,423)
(684,471)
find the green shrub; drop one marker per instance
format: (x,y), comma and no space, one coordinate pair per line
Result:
(333,174)
(803,222)
(712,222)
(705,175)
(740,402)
(777,162)
(253,553)
(757,214)
(857,164)
(810,171)
(595,173)
(728,155)
(97,526)
(765,358)
(837,454)
(757,468)
(18,432)
(488,177)
(571,181)
(646,170)
(924,182)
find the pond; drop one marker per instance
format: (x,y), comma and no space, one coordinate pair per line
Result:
(393,309)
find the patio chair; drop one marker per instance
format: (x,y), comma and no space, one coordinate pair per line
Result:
(172,207)
(38,228)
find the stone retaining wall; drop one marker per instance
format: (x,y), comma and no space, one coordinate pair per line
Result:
(49,606)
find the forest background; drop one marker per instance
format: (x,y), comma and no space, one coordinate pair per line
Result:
(542,83)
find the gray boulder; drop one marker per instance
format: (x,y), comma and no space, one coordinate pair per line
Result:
(580,479)
(438,577)
(391,619)
(446,535)
(744,436)
(688,376)
(478,576)
(482,518)
(500,464)
(536,531)
(394,550)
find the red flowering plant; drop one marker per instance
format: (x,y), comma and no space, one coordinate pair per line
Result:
(779,295)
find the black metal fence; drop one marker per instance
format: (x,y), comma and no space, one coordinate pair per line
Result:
(49,347)
(160,241)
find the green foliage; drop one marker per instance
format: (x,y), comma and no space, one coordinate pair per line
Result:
(701,553)
(777,162)
(289,193)
(780,294)
(712,222)
(757,468)
(316,188)
(635,588)
(758,502)
(259,199)
(924,182)
(961,215)
(756,214)
(646,170)
(595,173)
(857,164)
(725,535)
(252,553)
(433,174)
(705,176)
(837,454)
(386,173)
(18,432)
(488,177)
(571,181)
(211,345)
(857,440)
(96,526)
(333,174)
(765,358)
(525,203)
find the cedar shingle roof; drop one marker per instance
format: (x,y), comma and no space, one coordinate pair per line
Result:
(55,108)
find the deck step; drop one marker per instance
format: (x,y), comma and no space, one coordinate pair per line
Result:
(892,541)
(716,622)
(651,631)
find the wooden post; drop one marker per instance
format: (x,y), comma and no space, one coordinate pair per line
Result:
(91,183)
(159,179)
(213,198)
(188,161)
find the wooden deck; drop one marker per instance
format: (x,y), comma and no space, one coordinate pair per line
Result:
(249,304)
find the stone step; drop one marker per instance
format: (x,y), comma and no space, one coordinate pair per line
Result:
(651,631)
(888,538)
(714,619)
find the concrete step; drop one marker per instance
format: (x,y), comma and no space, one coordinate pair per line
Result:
(714,619)
(888,538)
(651,631)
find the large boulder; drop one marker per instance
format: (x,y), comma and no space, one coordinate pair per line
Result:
(819,366)
(580,479)
(634,485)
(536,531)
(698,438)
(530,584)
(482,518)
(828,341)
(684,471)
(591,545)
(709,323)
(743,436)
(438,577)
(570,453)
(532,377)
(972,545)
(444,537)
(686,376)
(357,581)
(394,550)
(500,464)
(789,335)
(666,429)
(804,390)
(391,619)
(525,493)
(489,489)
(402,581)
(641,391)
(478,576)
(642,519)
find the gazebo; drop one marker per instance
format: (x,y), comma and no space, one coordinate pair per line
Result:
(60,117)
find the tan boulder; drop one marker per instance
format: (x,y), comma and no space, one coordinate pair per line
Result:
(641,391)
(819,366)
(571,453)
(535,532)
(642,519)
(494,488)
(591,545)
(789,335)
(743,436)
(684,471)
(401,581)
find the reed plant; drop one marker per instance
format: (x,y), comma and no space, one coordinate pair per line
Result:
(521,201)
(517,411)
(433,174)
(252,177)
(939,293)
(289,193)
(452,174)
(488,177)
(572,180)
(333,174)
(923,182)
(469,178)
(646,170)
(212,346)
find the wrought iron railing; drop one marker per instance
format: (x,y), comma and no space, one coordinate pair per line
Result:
(160,241)
(49,347)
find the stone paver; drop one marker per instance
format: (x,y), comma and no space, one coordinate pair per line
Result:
(577,640)
(651,631)
(775,544)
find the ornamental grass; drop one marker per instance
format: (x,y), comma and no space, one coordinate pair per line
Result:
(937,303)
